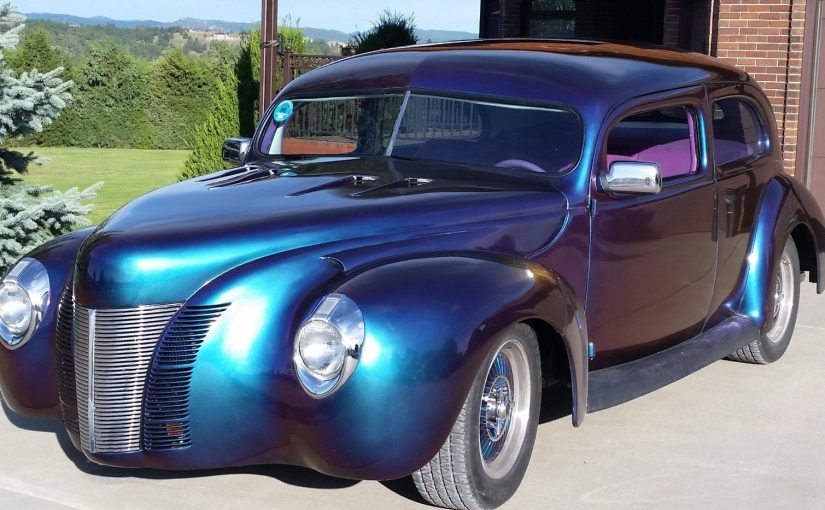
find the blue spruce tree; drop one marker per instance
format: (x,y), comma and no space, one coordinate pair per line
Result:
(30,216)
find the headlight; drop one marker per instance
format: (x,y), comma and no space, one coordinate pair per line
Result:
(15,308)
(24,296)
(328,345)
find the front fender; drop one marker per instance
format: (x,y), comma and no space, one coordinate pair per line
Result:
(28,375)
(429,325)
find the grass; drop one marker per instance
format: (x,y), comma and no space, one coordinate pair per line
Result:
(126,173)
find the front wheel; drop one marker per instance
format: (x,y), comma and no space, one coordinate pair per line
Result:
(484,459)
(776,335)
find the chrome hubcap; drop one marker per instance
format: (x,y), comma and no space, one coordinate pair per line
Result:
(504,409)
(497,406)
(783,299)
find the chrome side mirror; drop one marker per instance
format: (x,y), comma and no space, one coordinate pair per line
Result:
(234,150)
(634,177)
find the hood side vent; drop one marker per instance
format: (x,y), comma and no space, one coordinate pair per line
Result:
(166,421)
(409,182)
(350,180)
(251,174)
(226,173)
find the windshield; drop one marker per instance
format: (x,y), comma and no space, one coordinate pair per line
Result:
(426,127)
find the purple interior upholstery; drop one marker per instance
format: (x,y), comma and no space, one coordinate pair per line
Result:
(673,158)
(727,151)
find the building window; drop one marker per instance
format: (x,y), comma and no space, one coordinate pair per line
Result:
(550,18)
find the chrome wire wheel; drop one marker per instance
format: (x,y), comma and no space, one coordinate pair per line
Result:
(483,460)
(783,299)
(505,409)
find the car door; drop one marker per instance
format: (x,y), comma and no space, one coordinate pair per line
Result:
(652,257)
(741,144)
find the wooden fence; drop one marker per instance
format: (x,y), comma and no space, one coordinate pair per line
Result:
(293,65)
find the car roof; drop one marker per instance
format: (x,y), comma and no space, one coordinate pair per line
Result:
(582,74)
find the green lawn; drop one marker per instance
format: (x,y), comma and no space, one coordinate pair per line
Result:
(126,173)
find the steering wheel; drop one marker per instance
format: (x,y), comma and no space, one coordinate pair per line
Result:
(520,163)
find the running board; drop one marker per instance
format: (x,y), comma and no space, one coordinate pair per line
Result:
(616,385)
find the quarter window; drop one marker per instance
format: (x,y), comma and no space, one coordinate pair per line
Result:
(738,134)
(665,136)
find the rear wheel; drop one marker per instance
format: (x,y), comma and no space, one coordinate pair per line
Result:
(484,459)
(775,337)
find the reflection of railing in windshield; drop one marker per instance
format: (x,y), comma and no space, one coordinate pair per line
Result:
(425,118)
(433,117)
(332,121)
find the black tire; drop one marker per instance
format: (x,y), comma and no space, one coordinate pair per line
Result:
(776,335)
(458,476)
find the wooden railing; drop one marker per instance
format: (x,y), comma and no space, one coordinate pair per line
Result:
(294,65)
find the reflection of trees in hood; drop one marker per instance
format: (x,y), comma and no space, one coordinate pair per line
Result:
(30,216)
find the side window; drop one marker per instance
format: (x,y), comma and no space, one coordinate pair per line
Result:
(665,136)
(737,131)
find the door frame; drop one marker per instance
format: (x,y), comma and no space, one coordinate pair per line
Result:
(811,47)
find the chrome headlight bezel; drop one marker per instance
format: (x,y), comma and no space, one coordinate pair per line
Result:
(343,321)
(30,277)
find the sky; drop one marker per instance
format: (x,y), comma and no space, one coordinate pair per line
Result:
(346,16)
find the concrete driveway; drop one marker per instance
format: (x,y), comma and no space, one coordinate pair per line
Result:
(730,436)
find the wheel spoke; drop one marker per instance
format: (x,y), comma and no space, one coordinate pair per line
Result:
(504,403)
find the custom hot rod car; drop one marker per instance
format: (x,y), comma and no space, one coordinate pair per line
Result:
(414,244)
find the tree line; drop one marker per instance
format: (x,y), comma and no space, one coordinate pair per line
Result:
(120,100)
(122,97)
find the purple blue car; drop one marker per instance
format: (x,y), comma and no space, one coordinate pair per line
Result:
(413,247)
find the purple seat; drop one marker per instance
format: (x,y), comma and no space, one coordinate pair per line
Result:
(674,158)
(727,151)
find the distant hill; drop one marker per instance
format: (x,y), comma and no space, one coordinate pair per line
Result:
(97,20)
(443,35)
(232,26)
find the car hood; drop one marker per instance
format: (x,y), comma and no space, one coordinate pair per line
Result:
(165,245)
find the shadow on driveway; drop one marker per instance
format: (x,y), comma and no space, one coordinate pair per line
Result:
(556,404)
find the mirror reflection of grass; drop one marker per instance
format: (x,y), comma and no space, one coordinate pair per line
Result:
(126,173)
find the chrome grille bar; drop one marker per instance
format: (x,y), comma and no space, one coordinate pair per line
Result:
(113,350)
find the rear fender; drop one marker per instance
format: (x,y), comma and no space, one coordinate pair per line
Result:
(782,208)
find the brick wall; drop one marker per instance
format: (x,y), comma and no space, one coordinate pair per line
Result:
(764,38)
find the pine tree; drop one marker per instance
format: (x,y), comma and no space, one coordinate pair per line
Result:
(222,122)
(29,216)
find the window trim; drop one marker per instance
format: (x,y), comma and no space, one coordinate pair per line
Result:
(767,141)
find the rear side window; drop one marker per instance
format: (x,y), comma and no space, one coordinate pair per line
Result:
(665,136)
(738,132)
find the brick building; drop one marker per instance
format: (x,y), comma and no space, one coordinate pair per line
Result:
(779,42)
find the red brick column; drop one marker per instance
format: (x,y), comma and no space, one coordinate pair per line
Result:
(764,38)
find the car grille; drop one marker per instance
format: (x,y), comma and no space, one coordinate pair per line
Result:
(65,362)
(166,408)
(112,353)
